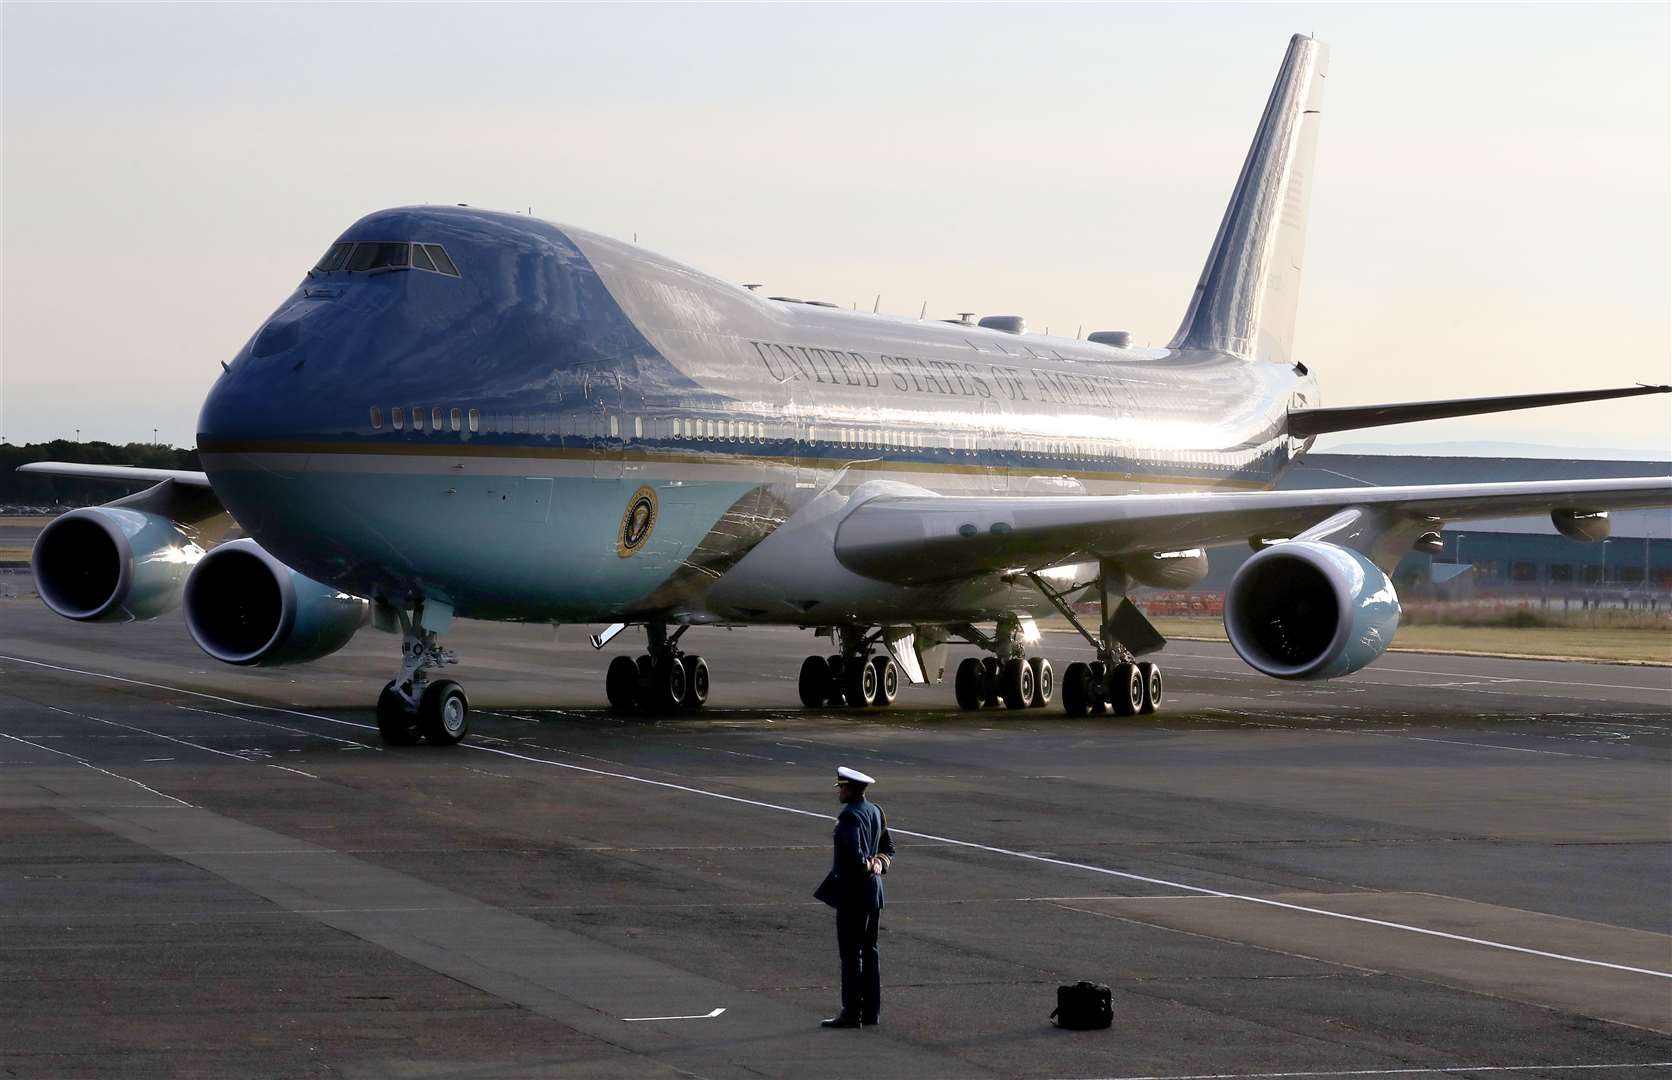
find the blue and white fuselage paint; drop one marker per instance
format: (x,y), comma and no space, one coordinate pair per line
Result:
(575,429)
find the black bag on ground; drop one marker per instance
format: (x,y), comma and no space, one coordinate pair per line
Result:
(1083,1007)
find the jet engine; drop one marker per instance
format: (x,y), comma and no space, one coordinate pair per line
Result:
(245,607)
(1304,609)
(110,564)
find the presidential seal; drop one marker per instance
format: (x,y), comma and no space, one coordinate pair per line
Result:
(637,523)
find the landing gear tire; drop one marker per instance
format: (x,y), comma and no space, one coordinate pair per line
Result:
(667,686)
(396,720)
(1018,684)
(967,684)
(888,680)
(814,682)
(1098,703)
(1044,682)
(696,682)
(621,684)
(992,682)
(1126,690)
(861,688)
(1077,691)
(1151,674)
(443,713)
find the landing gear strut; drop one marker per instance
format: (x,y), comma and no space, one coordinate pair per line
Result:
(662,680)
(412,707)
(1009,676)
(855,677)
(1117,681)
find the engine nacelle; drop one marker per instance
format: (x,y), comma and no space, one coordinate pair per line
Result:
(1168,569)
(1304,609)
(112,564)
(245,607)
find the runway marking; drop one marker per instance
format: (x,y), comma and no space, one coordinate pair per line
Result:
(182,742)
(95,768)
(641,1019)
(1393,1072)
(969,844)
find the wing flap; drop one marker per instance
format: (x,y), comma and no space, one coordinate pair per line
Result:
(917,540)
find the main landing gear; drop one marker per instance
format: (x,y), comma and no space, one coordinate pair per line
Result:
(1116,681)
(1008,677)
(854,677)
(661,680)
(411,706)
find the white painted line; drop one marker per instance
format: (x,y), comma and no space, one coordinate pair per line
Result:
(172,739)
(95,768)
(1393,1072)
(1028,856)
(642,1019)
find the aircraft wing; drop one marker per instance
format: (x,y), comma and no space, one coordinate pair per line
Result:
(919,539)
(116,474)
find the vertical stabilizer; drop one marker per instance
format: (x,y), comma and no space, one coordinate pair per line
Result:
(1244,303)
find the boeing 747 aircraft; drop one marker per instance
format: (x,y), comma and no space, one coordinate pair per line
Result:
(461,413)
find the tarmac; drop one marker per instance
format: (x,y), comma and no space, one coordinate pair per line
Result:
(1441,866)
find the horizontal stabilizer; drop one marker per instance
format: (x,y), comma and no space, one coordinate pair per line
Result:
(1307,422)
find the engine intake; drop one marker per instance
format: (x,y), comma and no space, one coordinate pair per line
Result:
(245,607)
(1305,609)
(110,564)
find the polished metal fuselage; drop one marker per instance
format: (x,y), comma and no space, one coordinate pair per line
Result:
(563,374)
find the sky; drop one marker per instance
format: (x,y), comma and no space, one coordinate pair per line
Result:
(1492,211)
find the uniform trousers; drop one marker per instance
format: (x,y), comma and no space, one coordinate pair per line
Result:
(856,940)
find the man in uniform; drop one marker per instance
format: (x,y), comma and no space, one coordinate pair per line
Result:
(854,888)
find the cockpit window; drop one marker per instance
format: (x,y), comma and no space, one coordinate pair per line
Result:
(442,262)
(368,255)
(336,258)
(375,254)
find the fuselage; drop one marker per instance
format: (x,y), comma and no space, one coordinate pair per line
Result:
(574,429)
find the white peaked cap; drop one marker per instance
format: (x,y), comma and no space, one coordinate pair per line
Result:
(851,776)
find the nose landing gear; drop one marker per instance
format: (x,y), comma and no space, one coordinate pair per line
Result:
(411,707)
(661,680)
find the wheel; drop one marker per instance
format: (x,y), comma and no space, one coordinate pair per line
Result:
(1044,681)
(696,682)
(1076,689)
(1018,683)
(966,685)
(621,683)
(1098,702)
(667,686)
(443,713)
(814,682)
(397,722)
(1151,674)
(992,685)
(888,680)
(1126,690)
(861,687)
(647,668)
(837,695)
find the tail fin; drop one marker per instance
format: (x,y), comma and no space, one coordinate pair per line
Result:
(1244,303)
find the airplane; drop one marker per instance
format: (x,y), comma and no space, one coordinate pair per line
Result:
(465,413)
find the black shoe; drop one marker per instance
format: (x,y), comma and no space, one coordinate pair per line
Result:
(841,1020)
(869,1021)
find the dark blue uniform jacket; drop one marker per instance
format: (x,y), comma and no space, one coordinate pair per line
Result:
(861,834)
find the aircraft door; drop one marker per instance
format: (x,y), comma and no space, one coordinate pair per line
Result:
(992,452)
(604,435)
